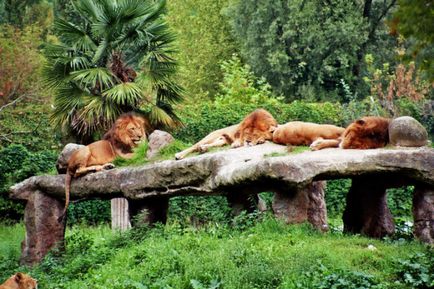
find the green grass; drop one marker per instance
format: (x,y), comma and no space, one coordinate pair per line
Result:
(267,254)
(139,157)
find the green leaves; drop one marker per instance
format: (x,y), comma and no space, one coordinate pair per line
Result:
(98,78)
(124,93)
(95,67)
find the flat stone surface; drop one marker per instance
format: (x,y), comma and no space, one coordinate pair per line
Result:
(265,166)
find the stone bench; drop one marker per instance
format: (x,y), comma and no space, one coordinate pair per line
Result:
(296,180)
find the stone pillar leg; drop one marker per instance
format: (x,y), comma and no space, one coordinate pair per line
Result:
(301,205)
(149,211)
(366,210)
(43,230)
(423,213)
(120,214)
(317,210)
(242,201)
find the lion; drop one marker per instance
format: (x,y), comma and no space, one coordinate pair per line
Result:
(125,134)
(368,132)
(216,138)
(305,133)
(256,128)
(20,281)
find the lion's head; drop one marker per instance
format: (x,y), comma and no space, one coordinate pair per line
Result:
(366,133)
(258,127)
(20,281)
(127,131)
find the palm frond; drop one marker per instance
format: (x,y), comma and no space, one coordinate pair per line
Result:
(74,35)
(161,117)
(101,52)
(126,93)
(99,77)
(88,9)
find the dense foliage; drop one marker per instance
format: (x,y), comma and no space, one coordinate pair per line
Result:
(413,19)
(20,63)
(17,164)
(203,41)
(264,254)
(305,48)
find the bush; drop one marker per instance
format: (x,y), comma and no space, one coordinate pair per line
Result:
(17,164)
(91,212)
(417,271)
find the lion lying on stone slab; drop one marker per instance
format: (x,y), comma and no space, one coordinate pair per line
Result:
(126,133)
(20,281)
(256,128)
(305,133)
(217,138)
(372,132)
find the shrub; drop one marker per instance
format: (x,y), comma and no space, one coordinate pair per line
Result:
(17,164)
(91,212)
(417,271)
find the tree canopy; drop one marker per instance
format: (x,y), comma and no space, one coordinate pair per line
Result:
(305,48)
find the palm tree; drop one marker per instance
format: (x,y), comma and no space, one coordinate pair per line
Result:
(117,59)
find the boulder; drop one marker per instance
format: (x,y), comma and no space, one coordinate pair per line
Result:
(156,141)
(62,160)
(405,131)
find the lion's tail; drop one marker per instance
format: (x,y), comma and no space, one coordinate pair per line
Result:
(68,179)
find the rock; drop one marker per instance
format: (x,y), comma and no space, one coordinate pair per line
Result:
(423,213)
(295,179)
(43,231)
(405,131)
(156,141)
(62,160)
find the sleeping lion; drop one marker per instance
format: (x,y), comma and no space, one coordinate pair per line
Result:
(365,133)
(256,128)
(305,133)
(372,132)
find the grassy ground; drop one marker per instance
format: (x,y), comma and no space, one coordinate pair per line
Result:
(246,254)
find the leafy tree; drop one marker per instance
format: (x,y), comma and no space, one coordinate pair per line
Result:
(204,39)
(21,12)
(117,59)
(414,20)
(20,64)
(304,48)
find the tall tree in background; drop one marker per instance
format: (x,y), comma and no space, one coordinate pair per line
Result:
(304,48)
(414,19)
(23,12)
(204,40)
(117,59)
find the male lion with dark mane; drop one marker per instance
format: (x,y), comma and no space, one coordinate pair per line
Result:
(368,132)
(305,133)
(126,133)
(20,281)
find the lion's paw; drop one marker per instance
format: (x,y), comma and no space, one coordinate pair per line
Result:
(202,149)
(316,145)
(236,144)
(108,166)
